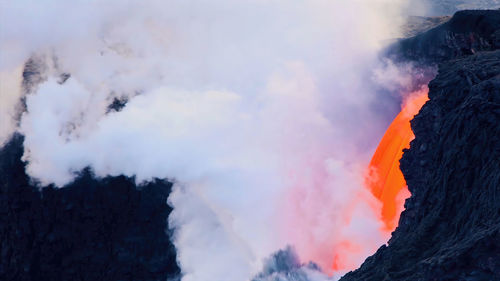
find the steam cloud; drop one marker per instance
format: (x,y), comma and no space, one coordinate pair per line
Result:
(263,113)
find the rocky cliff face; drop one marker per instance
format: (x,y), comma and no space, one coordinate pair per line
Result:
(450,229)
(108,229)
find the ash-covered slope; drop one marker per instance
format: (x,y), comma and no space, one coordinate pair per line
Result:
(107,229)
(450,229)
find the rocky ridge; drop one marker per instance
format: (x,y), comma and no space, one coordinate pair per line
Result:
(466,33)
(450,229)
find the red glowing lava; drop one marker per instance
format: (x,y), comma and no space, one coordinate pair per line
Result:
(329,216)
(385,179)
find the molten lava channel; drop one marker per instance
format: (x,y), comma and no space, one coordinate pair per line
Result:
(385,179)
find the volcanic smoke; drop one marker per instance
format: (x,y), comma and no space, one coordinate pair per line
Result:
(385,179)
(259,117)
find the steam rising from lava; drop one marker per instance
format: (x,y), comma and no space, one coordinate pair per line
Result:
(263,113)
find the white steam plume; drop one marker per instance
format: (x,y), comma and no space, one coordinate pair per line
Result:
(260,111)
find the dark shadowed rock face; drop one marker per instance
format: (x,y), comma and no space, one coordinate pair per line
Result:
(92,229)
(450,229)
(466,33)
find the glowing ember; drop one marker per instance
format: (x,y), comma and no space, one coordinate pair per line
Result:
(385,179)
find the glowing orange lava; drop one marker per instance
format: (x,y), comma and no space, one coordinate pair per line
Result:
(385,179)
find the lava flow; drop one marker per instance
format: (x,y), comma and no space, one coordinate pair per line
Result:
(385,179)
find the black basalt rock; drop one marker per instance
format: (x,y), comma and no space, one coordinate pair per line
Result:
(92,229)
(450,229)
(466,33)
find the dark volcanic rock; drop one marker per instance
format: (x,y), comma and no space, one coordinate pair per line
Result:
(415,25)
(117,105)
(450,229)
(284,265)
(92,229)
(466,33)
